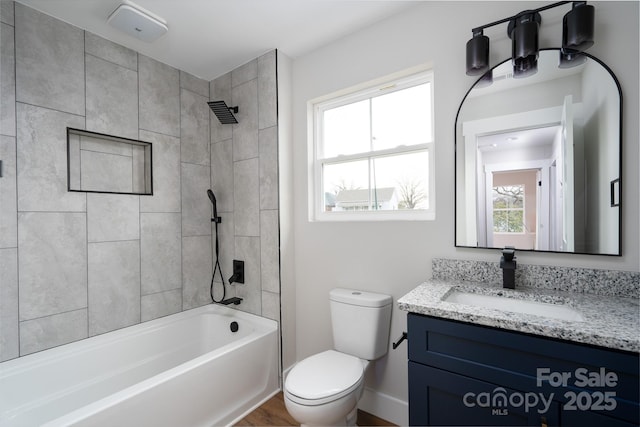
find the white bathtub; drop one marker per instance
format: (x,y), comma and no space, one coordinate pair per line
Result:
(187,369)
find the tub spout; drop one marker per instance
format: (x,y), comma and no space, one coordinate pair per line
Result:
(234,300)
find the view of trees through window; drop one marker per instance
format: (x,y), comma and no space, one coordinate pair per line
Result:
(388,183)
(508,209)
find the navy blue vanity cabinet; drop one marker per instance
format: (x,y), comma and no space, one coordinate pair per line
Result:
(463,374)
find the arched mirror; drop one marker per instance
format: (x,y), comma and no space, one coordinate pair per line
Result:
(538,159)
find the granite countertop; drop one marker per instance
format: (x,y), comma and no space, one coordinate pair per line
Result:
(608,321)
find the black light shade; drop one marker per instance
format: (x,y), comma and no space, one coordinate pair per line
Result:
(571,59)
(525,67)
(477,54)
(485,81)
(524,35)
(577,27)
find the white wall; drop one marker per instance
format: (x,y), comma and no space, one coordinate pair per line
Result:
(285,183)
(394,257)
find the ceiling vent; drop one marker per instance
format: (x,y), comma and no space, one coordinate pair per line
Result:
(137,22)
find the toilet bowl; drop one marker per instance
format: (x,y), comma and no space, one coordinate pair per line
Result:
(324,389)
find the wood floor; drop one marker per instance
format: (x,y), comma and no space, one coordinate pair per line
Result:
(274,413)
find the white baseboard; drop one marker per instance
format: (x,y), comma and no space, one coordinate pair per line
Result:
(384,406)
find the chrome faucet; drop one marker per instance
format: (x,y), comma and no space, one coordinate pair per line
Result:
(508,266)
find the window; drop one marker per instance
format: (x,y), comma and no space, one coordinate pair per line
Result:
(373,152)
(508,209)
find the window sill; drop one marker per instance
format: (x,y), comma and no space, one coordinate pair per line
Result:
(374,216)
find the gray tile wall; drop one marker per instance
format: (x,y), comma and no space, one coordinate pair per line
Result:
(73,265)
(9,320)
(244,178)
(50,63)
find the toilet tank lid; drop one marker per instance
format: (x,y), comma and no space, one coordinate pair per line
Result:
(360,298)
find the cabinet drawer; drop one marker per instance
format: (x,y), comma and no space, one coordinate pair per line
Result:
(441,398)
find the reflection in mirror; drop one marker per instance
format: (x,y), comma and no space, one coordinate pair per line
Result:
(535,159)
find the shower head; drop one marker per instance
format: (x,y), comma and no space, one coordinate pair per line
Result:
(212,197)
(223,112)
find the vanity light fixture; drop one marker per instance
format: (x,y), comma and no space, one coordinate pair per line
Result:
(577,36)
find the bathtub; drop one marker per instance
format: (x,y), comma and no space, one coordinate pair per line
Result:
(187,369)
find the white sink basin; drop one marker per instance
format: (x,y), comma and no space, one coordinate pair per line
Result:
(556,311)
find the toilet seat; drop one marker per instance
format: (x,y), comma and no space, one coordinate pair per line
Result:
(323,378)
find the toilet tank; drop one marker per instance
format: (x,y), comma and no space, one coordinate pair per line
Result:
(361,322)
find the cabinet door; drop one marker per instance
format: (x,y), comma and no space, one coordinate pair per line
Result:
(588,418)
(442,398)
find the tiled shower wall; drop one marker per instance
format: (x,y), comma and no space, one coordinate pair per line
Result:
(74,265)
(244,178)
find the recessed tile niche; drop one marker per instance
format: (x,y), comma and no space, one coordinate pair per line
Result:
(100,163)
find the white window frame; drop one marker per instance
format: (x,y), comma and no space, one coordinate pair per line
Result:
(316,163)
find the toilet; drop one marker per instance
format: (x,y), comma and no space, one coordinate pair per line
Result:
(324,389)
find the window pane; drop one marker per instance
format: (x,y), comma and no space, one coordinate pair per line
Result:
(347,181)
(508,221)
(516,221)
(402,117)
(508,209)
(508,196)
(402,181)
(346,129)
(398,182)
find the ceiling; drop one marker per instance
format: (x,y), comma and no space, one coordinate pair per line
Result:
(518,139)
(209,38)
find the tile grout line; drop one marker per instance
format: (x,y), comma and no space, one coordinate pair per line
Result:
(139,199)
(15,145)
(86,197)
(181,199)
